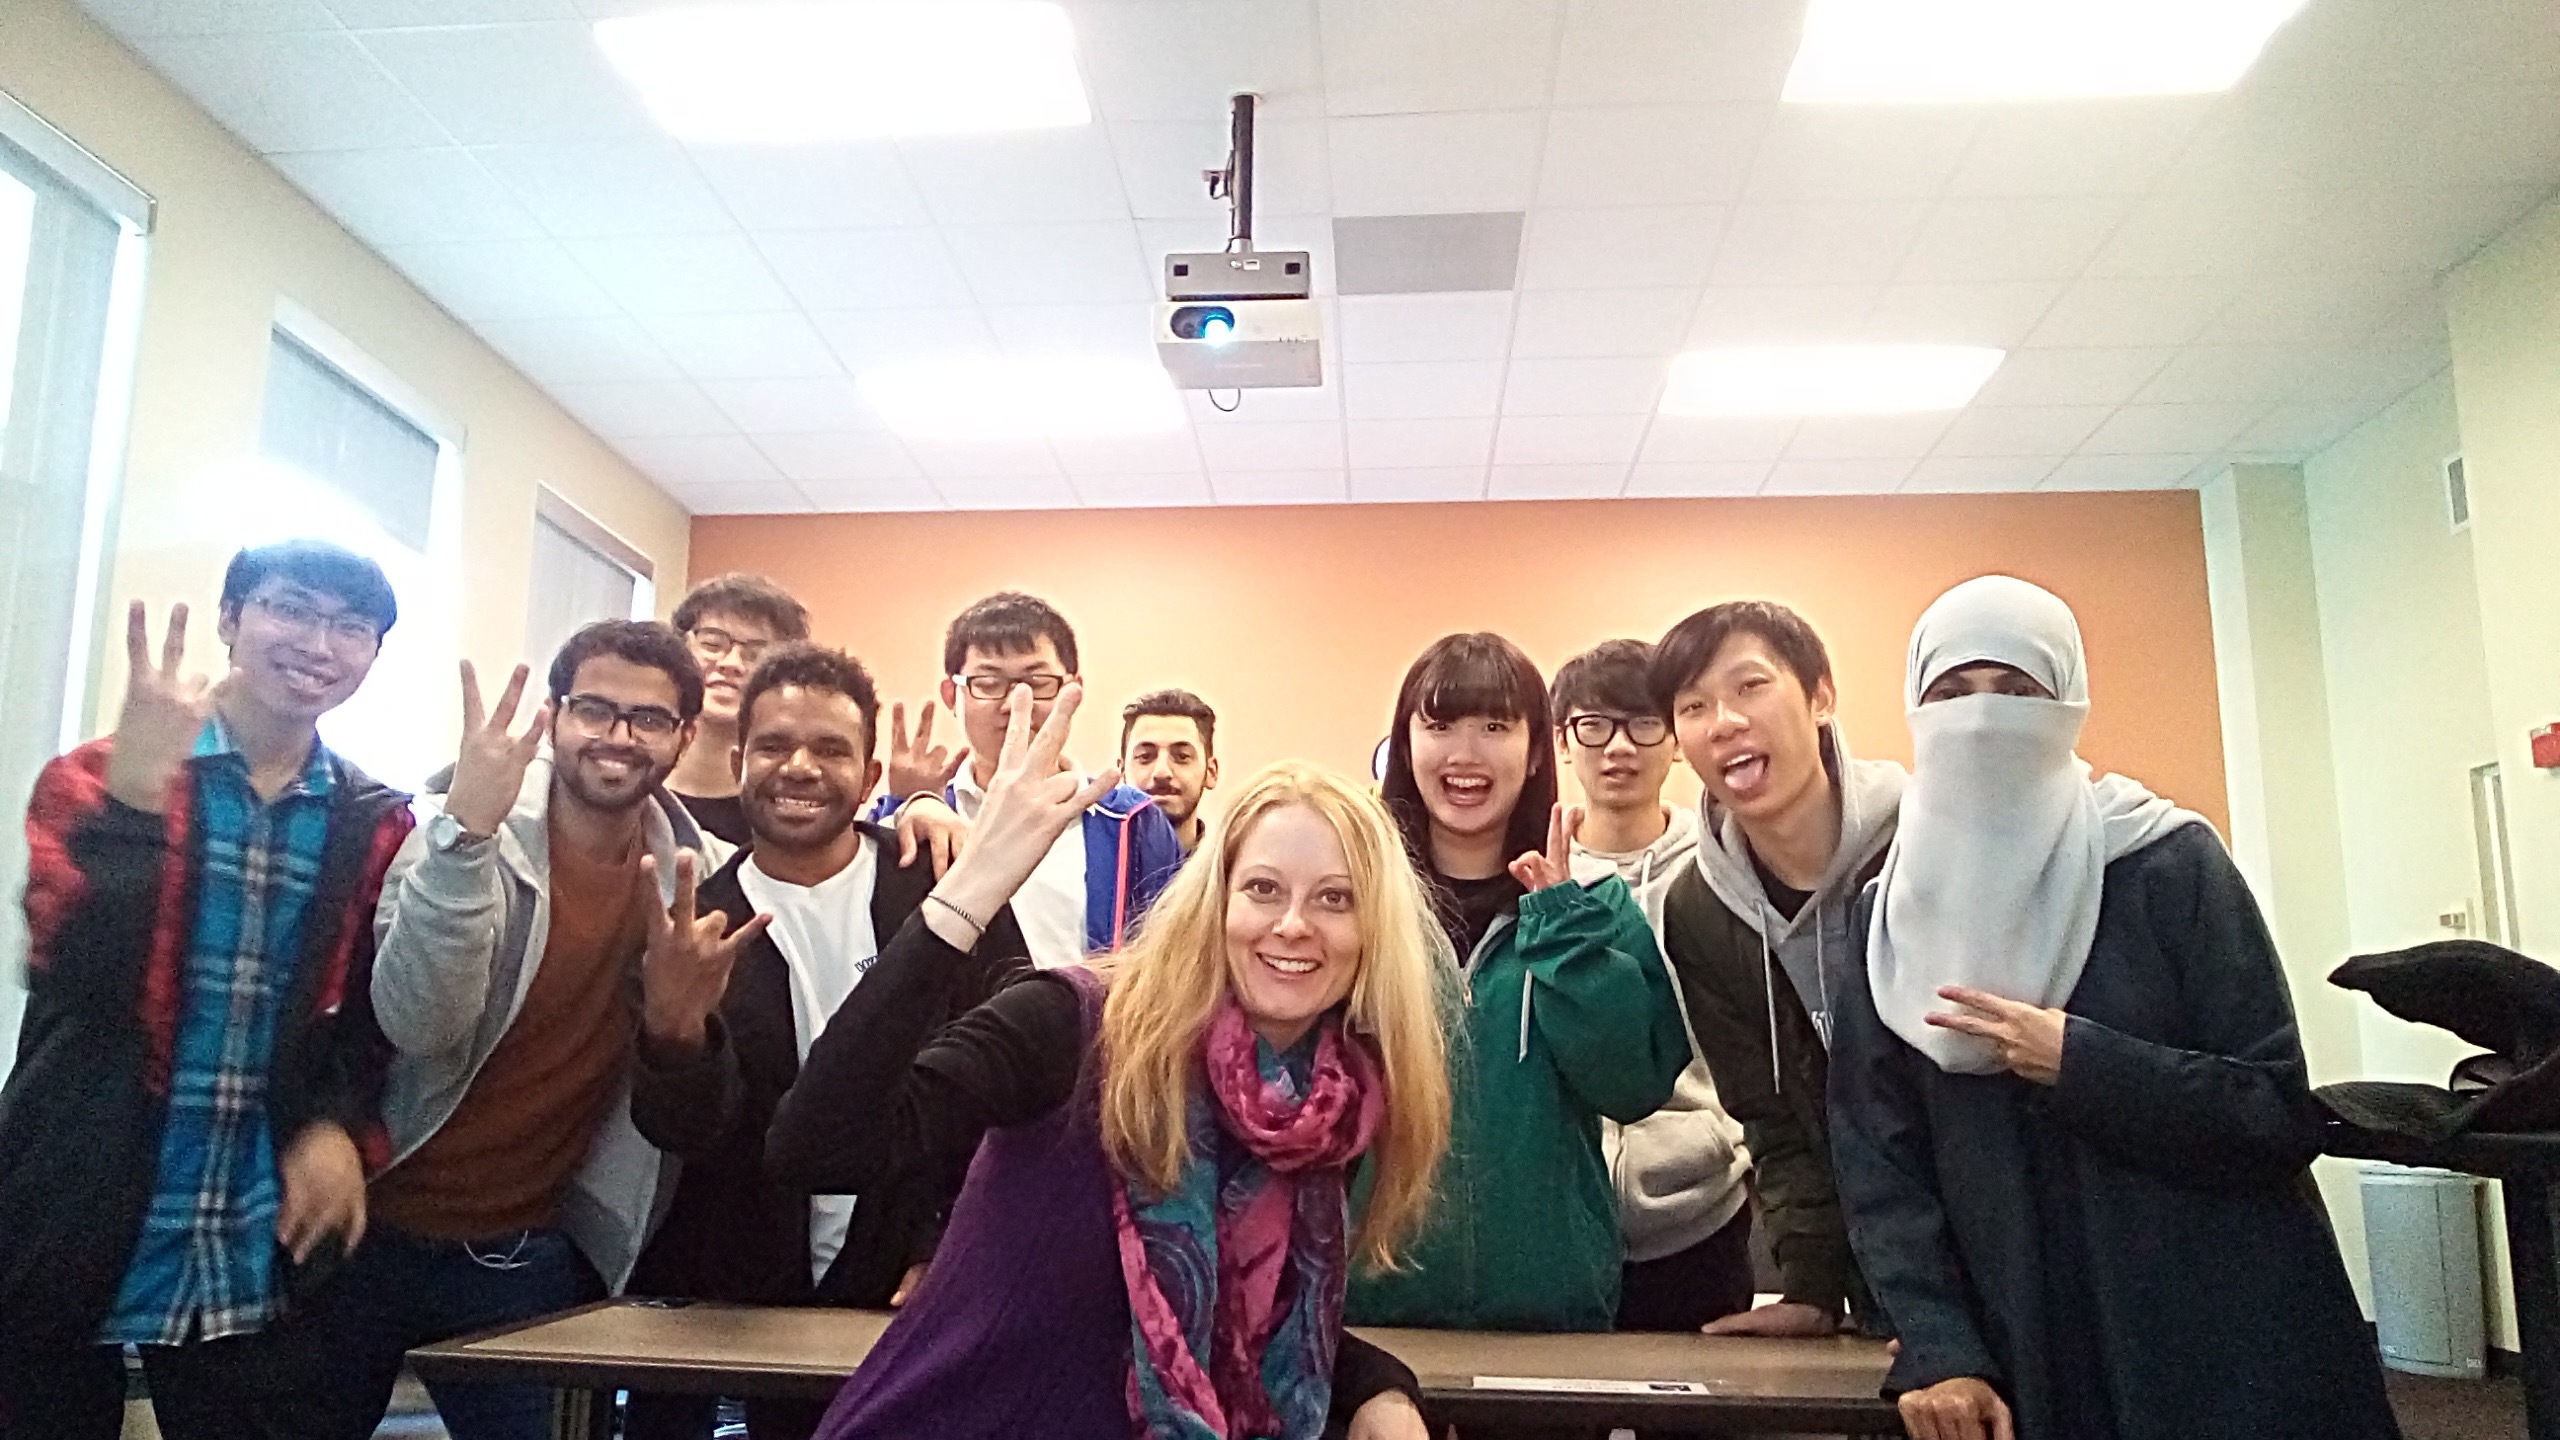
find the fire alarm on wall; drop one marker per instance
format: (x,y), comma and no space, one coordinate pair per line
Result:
(2546,748)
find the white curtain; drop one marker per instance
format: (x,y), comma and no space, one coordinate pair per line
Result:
(573,584)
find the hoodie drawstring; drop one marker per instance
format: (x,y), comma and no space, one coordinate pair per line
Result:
(1769,977)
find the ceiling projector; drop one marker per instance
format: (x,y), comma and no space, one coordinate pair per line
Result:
(1240,320)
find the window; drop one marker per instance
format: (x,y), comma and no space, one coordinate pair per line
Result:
(581,573)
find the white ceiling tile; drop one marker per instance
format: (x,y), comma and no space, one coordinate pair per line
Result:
(1393,57)
(307,90)
(1406,485)
(845,457)
(2203,374)
(1448,163)
(2087,147)
(1621,248)
(608,187)
(1056,175)
(681,274)
(2315,309)
(1280,487)
(865,338)
(504,280)
(2071,377)
(767,407)
(1388,328)
(1555,482)
(2208,232)
(1253,407)
(512,84)
(1621,386)
(770,497)
(1161,161)
(1866,437)
(1431,390)
(386,14)
(2381,371)
(2025,239)
(815,187)
(1273,445)
(1131,490)
(1602,322)
(2377,137)
(1959,475)
(404,197)
(1119,331)
(831,497)
(1637,51)
(1782,314)
(2123,472)
(1174,452)
(1007,492)
(2369,41)
(619,410)
(2170,429)
(1039,264)
(862,269)
(135,19)
(1568,440)
(2096,313)
(2362,233)
(1649,154)
(1820,244)
(1690,439)
(1998,314)
(1182,60)
(701,460)
(2005,431)
(1717,477)
(556,352)
(1410,444)
(967,460)
(1859,152)
(2299,428)
(1837,477)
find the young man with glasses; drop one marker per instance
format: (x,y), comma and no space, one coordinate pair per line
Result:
(1682,1176)
(512,939)
(1100,876)
(183,1140)
(729,621)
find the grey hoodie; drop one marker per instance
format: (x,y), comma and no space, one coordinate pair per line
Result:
(1679,1172)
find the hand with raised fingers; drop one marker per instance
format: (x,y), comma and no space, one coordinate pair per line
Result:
(1782,1320)
(490,770)
(164,710)
(1028,805)
(918,766)
(684,974)
(926,823)
(1964,1408)
(1537,871)
(323,1182)
(2028,1037)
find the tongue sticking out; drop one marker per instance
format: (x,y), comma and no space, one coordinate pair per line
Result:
(1744,777)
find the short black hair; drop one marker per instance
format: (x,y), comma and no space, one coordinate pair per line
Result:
(313,565)
(642,642)
(738,593)
(1615,676)
(814,667)
(1461,676)
(1007,623)
(1691,645)
(1180,703)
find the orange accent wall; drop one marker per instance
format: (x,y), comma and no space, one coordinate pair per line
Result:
(1296,623)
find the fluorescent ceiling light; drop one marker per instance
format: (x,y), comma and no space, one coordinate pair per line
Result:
(836,70)
(1956,51)
(1827,379)
(1014,400)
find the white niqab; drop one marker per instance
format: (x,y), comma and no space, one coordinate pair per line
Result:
(1993,879)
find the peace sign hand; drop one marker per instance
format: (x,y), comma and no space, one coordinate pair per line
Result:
(919,767)
(684,974)
(492,765)
(2028,1037)
(1540,872)
(163,713)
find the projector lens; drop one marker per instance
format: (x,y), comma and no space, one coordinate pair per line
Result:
(1212,323)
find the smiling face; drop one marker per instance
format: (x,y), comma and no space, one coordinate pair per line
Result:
(1986,677)
(1470,771)
(616,766)
(806,764)
(296,652)
(1753,734)
(727,645)
(1293,923)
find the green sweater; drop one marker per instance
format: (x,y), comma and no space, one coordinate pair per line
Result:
(1569,1017)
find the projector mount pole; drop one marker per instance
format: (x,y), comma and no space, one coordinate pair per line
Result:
(1234,184)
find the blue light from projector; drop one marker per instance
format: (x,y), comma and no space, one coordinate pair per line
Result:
(1211,324)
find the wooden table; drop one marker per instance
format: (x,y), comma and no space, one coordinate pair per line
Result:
(1685,1382)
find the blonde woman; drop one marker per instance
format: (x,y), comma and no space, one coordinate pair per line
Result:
(1154,1238)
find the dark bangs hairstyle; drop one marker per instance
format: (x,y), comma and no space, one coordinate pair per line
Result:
(1465,677)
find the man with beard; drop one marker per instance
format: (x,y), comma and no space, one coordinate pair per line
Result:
(725,1026)
(1169,749)
(511,932)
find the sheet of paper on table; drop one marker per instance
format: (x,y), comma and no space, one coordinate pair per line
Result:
(1560,1385)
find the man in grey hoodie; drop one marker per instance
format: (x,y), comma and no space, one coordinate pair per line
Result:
(1790,829)
(1683,1200)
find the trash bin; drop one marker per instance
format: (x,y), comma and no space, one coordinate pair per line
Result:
(2422,1239)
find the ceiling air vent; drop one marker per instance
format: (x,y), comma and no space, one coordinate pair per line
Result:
(2457,495)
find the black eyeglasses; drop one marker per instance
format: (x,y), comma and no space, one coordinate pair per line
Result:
(996,687)
(711,643)
(1597,731)
(595,715)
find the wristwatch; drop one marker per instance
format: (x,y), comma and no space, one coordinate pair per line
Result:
(446,835)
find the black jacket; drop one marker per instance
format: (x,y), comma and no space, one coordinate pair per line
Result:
(731,1232)
(81,1117)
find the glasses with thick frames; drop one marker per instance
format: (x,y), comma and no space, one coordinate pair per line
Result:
(1596,731)
(595,715)
(713,643)
(996,687)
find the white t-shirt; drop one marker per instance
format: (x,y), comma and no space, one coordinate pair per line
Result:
(1050,905)
(825,936)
